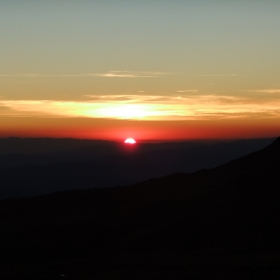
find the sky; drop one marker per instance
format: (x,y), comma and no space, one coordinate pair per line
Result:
(151,70)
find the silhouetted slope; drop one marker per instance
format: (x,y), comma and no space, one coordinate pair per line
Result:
(48,165)
(213,224)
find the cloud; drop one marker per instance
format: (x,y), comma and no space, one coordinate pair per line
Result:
(271,90)
(110,74)
(132,74)
(187,90)
(146,107)
(114,75)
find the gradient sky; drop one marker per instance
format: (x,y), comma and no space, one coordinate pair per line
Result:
(157,69)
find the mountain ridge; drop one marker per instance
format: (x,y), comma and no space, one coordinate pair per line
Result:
(221,223)
(105,164)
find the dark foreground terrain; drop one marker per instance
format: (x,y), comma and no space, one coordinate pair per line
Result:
(221,223)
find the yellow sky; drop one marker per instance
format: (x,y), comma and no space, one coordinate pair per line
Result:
(187,64)
(192,106)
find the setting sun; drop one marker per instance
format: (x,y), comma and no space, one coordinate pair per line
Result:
(129,141)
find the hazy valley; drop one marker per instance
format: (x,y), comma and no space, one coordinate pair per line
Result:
(31,167)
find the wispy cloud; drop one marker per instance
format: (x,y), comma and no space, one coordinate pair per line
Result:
(187,90)
(131,74)
(116,75)
(110,74)
(162,107)
(270,90)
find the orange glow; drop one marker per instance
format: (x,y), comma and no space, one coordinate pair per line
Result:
(170,118)
(138,107)
(117,130)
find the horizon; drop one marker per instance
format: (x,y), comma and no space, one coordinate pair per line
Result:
(140,141)
(68,163)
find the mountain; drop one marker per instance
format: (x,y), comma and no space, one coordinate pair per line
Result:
(221,223)
(31,167)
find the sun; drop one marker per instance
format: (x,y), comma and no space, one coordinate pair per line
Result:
(129,141)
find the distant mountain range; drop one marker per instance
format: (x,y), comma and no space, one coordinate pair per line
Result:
(220,223)
(31,167)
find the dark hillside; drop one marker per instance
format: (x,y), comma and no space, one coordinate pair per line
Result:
(221,223)
(30,167)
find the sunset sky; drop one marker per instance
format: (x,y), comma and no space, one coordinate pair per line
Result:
(149,69)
